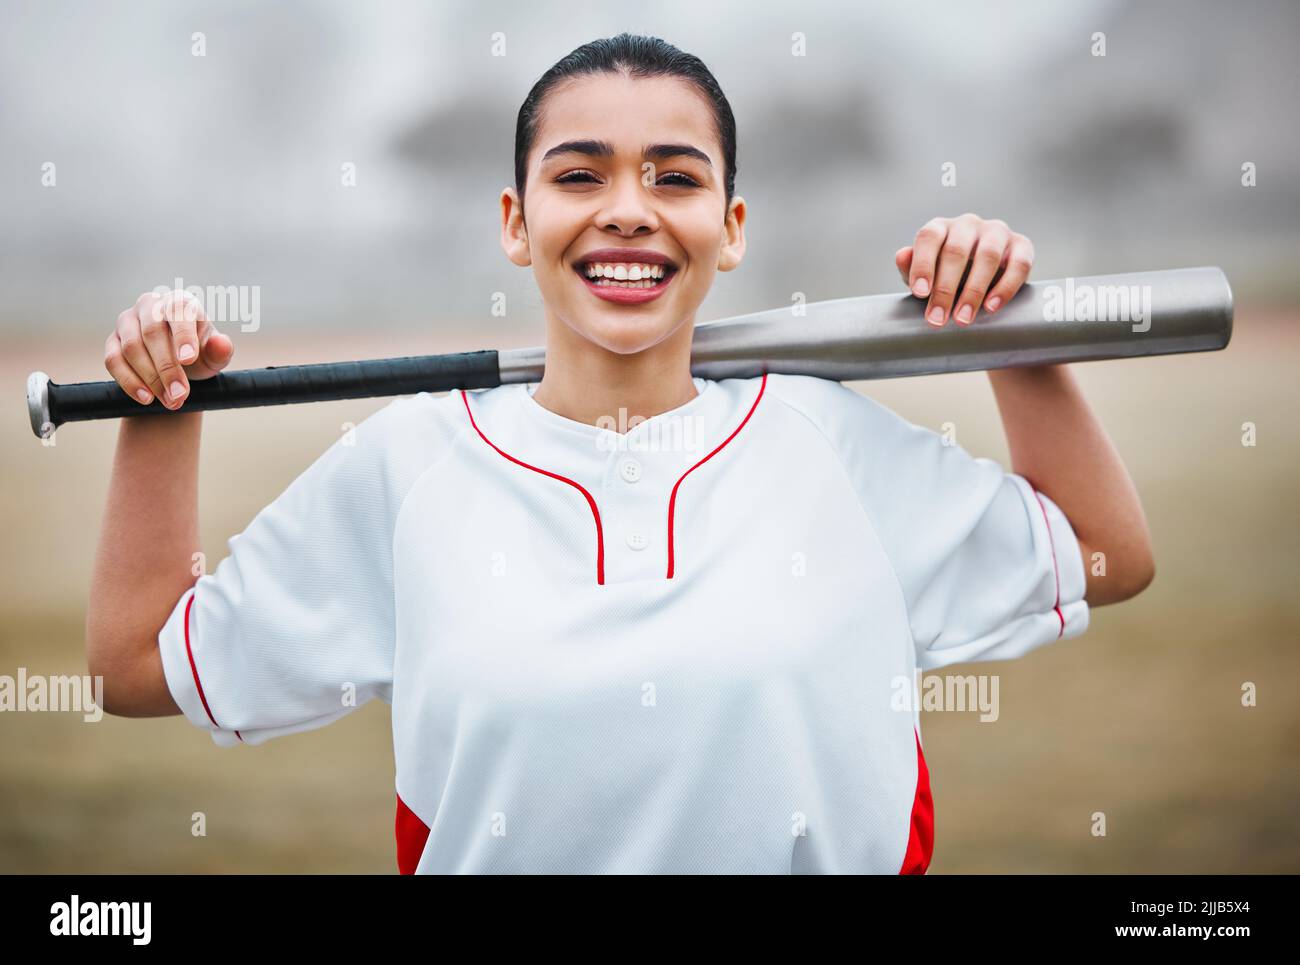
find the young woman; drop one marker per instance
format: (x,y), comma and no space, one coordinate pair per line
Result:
(627,620)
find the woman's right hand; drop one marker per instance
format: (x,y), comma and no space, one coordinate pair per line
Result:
(161,344)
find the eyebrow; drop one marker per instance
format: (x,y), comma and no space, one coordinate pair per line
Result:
(654,152)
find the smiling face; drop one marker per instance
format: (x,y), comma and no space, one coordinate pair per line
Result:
(592,200)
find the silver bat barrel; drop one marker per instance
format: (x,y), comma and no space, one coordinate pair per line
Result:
(871,337)
(886,336)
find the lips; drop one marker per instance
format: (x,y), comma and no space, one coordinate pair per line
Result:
(625,295)
(630,256)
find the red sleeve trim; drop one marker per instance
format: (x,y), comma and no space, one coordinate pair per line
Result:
(595,512)
(412,833)
(189,652)
(1052,542)
(920,836)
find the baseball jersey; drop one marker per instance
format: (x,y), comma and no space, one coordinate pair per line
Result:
(675,648)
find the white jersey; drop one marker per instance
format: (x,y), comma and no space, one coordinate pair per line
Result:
(675,650)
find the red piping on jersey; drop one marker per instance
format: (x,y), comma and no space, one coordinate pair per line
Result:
(672,500)
(1051,541)
(600,537)
(194,668)
(412,833)
(595,511)
(920,837)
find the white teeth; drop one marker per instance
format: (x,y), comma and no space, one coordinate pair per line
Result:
(610,283)
(624,271)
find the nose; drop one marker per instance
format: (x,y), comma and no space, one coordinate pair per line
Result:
(627,208)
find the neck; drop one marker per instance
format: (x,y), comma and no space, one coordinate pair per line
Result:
(590,384)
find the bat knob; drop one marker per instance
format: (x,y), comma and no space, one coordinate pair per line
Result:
(38,404)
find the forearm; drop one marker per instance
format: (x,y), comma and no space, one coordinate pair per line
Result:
(1060,446)
(143,563)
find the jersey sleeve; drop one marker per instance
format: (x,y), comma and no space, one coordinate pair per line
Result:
(295,627)
(990,568)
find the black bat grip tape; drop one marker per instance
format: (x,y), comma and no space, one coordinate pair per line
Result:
(286,384)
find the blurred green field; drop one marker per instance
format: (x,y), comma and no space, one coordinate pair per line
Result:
(1140,718)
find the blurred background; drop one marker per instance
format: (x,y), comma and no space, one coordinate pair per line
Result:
(146,142)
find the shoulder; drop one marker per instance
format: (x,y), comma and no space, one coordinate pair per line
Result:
(379,457)
(889,458)
(845,416)
(412,427)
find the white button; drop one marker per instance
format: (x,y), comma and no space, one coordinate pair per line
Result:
(637,540)
(630,470)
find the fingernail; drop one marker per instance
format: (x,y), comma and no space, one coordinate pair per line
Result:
(994,303)
(144,395)
(921,288)
(936,315)
(963,315)
(185,353)
(177,390)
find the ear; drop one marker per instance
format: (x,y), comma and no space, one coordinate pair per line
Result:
(514,233)
(733,240)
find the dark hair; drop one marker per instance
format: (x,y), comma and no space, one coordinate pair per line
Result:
(637,56)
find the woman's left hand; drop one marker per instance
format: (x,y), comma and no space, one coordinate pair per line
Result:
(967,260)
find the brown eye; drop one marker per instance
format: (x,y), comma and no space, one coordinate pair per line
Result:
(686,182)
(575,177)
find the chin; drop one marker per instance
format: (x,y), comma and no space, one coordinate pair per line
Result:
(628,337)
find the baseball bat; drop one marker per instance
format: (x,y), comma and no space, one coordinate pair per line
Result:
(846,339)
